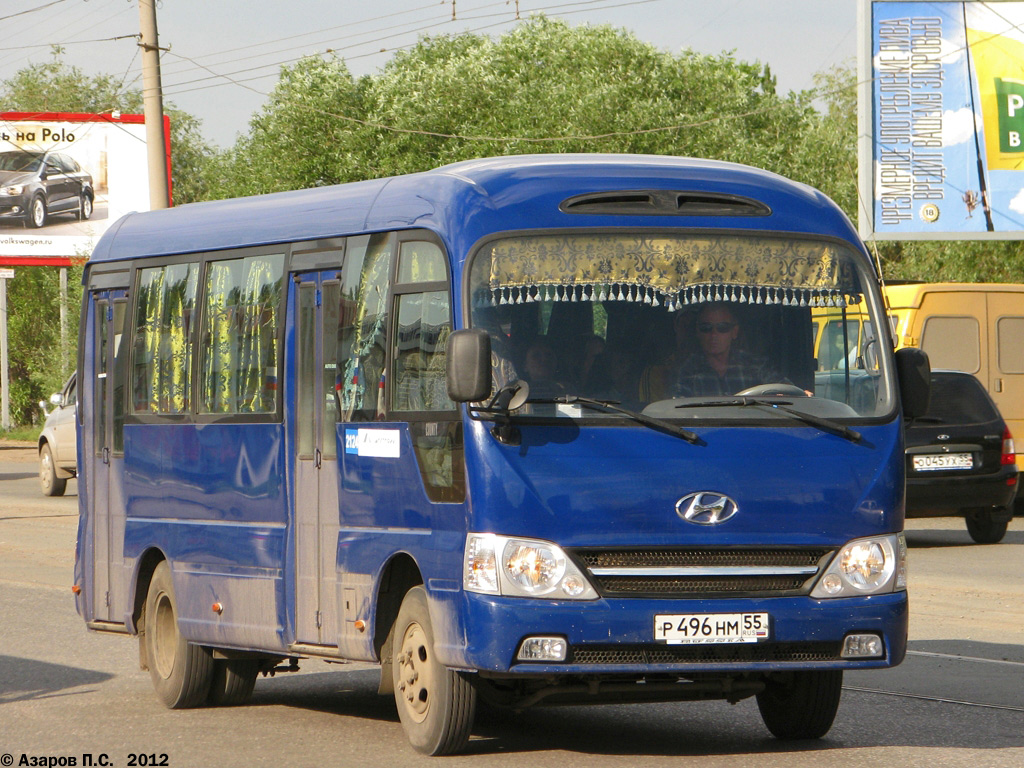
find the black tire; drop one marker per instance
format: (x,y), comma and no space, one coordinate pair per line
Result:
(801,705)
(84,208)
(232,681)
(435,704)
(35,217)
(181,671)
(48,480)
(983,529)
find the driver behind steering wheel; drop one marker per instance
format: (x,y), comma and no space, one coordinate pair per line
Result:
(719,366)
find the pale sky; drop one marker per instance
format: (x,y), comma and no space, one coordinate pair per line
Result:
(225,54)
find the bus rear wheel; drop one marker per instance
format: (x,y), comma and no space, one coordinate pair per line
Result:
(181,671)
(232,681)
(801,705)
(435,704)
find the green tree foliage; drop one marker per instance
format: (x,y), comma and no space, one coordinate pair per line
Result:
(300,138)
(828,150)
(974,261)
(543,87)
(37,359)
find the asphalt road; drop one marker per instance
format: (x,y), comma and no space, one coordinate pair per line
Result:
(67,693)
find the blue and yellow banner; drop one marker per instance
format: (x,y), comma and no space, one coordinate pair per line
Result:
(947,104)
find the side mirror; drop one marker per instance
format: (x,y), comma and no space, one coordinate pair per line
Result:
(57,399)
(914,373)
(468,365)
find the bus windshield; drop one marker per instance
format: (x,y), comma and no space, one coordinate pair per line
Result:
(681,326)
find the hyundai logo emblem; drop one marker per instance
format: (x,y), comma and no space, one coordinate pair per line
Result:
(706,508)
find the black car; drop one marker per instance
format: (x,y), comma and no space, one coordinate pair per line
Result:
(960,458)
(36,185)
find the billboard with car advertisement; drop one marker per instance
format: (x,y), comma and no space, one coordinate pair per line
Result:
(942,119)
(65,178)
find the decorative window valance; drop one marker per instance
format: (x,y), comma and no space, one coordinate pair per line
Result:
(674,271)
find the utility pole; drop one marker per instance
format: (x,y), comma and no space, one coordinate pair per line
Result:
(5,379)
(63,323)
(153,107)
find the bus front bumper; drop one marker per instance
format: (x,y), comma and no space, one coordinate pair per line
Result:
(618,636)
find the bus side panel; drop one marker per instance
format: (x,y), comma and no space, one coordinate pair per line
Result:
(99,551)
(384,511)
(83,548)
(84,554)
(211,498)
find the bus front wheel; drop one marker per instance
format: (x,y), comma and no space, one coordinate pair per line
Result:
(801,705)
(435,704)
(181,671)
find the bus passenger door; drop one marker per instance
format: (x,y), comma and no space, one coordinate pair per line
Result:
(104,453)
(316,462)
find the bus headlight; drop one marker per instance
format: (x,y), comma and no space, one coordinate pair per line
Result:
(871,566)
(501,565)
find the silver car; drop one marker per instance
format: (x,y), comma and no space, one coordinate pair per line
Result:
(58,452)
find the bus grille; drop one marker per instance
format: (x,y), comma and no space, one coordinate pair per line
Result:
(704,654)
(703,572)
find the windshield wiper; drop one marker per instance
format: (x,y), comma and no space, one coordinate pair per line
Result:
(612,406)
(826,425)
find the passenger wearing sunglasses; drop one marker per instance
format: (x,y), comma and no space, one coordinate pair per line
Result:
(720,367)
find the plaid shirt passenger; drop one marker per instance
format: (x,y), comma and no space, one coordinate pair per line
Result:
(697,378)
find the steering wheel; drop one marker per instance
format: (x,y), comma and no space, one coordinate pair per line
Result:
(778,389)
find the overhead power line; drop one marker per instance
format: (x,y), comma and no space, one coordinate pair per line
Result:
(69,42)
(508,17)
(31,10)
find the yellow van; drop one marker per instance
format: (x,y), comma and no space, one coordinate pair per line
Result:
(972,327)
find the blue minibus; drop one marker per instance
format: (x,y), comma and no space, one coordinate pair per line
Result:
(524,431)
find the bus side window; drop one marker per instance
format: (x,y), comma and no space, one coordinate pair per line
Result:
(239,364)
(419,346)
(163,338)
(361,327)
(421,335)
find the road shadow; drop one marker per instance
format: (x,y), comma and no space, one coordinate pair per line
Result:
(346,692)
(28,679)
(659,730)
(973,649)
(17,475)
(954,537)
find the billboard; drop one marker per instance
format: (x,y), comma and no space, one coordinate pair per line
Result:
(941,119)
(64,179)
